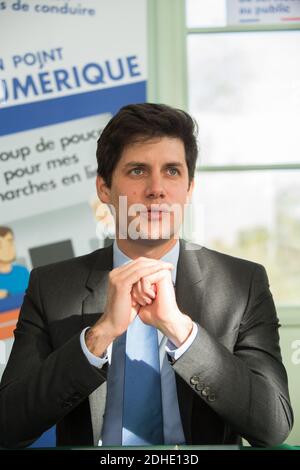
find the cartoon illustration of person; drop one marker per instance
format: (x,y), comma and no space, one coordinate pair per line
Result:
(13,277)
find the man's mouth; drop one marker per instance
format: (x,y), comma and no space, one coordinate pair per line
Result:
(158,208)
(155,215)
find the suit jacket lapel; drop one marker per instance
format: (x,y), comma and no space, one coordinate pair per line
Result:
(189,274)
(97,283)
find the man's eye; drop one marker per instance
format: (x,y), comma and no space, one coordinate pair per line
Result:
(172,170)
(136,171)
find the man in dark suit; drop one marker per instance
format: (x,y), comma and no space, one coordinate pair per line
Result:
(220,368)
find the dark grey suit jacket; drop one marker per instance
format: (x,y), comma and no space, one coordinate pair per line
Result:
(230,382)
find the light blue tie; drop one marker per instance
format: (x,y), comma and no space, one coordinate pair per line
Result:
(142,405)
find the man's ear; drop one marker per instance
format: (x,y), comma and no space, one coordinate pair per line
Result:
(190,191)
(103,190)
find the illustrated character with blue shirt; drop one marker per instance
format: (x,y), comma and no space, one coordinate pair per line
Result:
(13,277)
(152,340)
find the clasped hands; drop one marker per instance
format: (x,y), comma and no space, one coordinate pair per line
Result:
(144,287)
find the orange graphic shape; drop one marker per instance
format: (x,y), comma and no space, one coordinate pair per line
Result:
(8,322)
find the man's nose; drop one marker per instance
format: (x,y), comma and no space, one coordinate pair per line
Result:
(155,187)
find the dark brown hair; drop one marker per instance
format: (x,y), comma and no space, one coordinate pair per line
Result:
(143,122)
(5,230)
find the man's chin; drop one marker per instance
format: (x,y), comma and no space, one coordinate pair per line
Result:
(157,239)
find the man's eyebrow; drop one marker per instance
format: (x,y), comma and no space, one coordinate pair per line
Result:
(132,164)
(129,164)
(175,164)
